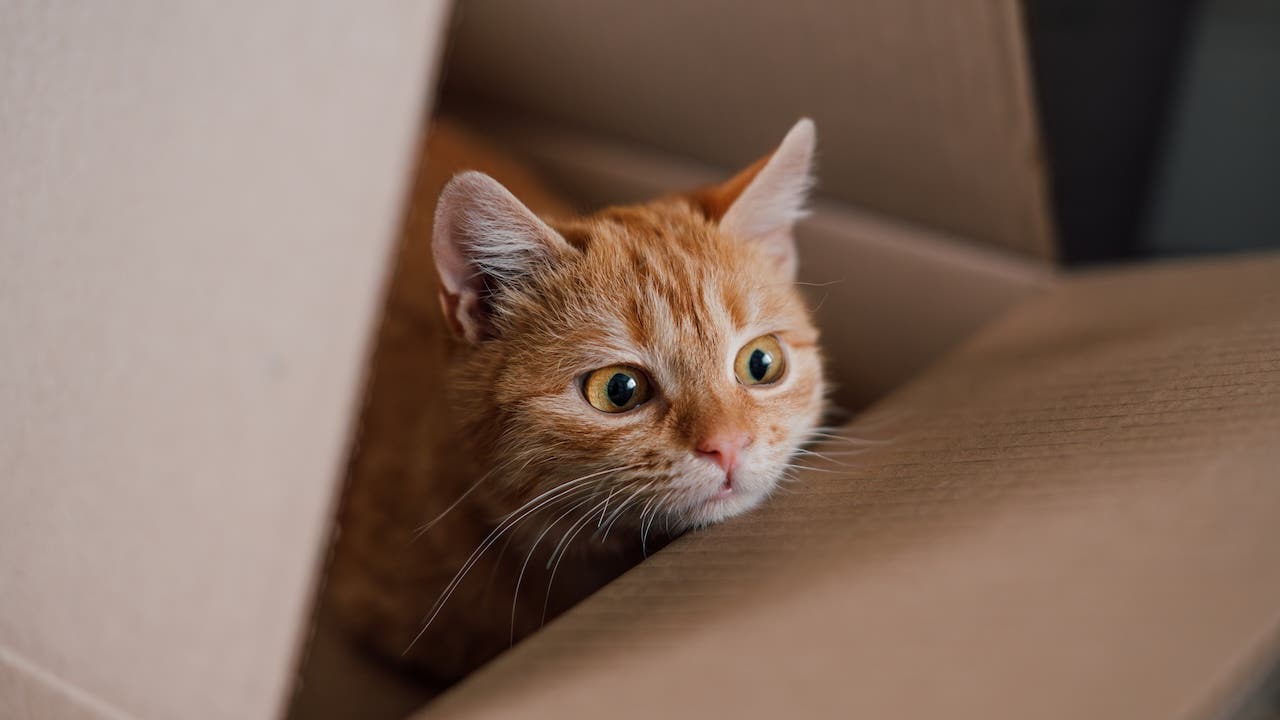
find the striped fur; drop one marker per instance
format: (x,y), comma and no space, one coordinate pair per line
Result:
(479,397)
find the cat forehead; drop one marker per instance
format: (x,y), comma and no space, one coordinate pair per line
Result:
(666,249)
(657,277)
(662,228)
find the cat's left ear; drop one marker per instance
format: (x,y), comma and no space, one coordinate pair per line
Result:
(485,241)
(762,203)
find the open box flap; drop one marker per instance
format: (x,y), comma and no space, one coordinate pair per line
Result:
(196,208)
(924,109)
(1074,516)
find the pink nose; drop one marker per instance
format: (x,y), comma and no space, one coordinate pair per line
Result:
(723,448)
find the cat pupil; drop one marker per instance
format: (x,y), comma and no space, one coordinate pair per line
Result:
(759,364)
(620,389)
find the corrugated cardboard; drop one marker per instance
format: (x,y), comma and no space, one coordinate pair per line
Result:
(923,107)
(196,205)
(1074,516)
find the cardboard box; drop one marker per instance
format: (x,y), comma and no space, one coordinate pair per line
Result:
(196,208)
(1074,514)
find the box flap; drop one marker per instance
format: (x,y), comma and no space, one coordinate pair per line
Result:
(924,109)
(196,208)
(1074,515)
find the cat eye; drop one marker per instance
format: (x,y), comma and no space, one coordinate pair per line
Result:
(617,388)
(760,362)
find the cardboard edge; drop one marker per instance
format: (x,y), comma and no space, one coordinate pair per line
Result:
(306,633)
(1043,242)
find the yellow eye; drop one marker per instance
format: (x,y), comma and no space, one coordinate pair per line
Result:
(617,388)
(760,362)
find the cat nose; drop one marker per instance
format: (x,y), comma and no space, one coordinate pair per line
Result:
(723,448)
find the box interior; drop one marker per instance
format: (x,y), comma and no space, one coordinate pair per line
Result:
(1075,513)
(864,272)
(923,109)
(866,252)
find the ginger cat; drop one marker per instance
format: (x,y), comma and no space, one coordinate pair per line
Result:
(553,395)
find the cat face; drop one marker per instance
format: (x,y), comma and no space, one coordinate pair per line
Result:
(646,364)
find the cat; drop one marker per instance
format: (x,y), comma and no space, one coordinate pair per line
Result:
(554,395)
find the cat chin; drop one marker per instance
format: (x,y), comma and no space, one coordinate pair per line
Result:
(719,508)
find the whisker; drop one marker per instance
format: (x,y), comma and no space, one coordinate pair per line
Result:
(506,524)
(606,506)
(497,565)
(839,451)
(831,458)
(422,529)
(580,524)
(515,596)
(644,533)
(577,480)
(635,495)
(659,506)
(562,538)
(839,433)
(564,489)
(808,468)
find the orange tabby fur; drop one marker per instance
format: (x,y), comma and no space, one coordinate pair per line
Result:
(497,419)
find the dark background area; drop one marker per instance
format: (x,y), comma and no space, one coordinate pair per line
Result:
(1160,119)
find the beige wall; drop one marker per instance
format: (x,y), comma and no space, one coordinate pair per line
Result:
(196,202)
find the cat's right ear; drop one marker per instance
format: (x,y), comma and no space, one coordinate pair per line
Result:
(762,203)
(484,239)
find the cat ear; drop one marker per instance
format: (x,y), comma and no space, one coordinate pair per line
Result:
(763,202)
(484,238)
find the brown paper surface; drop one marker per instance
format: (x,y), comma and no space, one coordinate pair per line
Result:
(924,109)
(197,203)
(1074,515)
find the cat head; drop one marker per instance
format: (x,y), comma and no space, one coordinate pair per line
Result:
(650,362)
